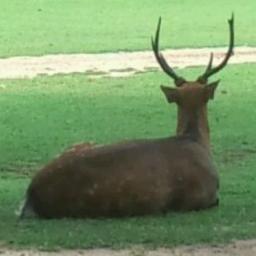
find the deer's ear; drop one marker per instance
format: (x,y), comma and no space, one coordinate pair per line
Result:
(171,94)
(210,89)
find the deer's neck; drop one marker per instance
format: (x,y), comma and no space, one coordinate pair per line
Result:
(194,123)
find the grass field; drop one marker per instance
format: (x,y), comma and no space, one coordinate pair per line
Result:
(41,117)
(38,27)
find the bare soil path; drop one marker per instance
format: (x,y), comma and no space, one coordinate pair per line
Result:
(238,248)
(114,64)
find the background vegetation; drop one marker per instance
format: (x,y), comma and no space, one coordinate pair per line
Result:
(36,27)
(41,117)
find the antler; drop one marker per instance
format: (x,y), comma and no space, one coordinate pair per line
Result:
(209,70)
(161,60)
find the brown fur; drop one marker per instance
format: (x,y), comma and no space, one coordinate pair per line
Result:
(134,178)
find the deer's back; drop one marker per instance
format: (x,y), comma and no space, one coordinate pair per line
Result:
(125,179)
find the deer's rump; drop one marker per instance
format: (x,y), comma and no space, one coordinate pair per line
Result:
(121,180)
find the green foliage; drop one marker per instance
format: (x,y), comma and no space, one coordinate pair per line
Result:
(41,117)
(38,27)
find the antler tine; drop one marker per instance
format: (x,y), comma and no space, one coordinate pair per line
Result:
(210,71)
(161,60)
(208,68)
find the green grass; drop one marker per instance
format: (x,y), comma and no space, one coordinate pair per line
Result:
(38,27)
(41,117)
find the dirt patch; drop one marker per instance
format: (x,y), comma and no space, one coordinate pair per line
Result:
(115,64)
(238,248)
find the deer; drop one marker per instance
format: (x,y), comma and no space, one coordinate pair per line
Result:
(140,177)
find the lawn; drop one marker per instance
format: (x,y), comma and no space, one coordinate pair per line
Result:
(43,27)
(41,117)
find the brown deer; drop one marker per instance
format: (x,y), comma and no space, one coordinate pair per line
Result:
(138,177)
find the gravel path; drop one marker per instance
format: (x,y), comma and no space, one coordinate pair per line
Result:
(114,64)
(239,248)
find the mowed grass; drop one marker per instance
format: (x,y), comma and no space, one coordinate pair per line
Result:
(42,27)
(41,117)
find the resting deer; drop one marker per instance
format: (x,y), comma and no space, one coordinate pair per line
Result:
(138,177)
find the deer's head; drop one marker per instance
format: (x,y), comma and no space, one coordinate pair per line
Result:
(192,97)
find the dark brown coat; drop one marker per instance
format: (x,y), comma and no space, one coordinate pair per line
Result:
(134,178)
(137,178)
